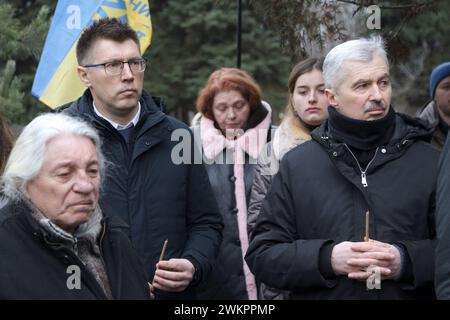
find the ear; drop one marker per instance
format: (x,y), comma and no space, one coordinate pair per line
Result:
(84,76)
(331,96)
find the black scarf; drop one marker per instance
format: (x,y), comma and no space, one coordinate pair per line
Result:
(361,134)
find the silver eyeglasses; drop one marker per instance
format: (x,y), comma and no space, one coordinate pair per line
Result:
(115,68)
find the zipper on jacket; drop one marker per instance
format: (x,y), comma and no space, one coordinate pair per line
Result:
(363,172)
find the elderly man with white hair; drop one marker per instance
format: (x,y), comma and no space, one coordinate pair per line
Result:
(350,215)
(55,242)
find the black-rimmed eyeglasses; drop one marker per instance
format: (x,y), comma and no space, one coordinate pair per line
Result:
(115,68)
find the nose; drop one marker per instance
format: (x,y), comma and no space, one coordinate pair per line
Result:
(127,74)
(83,184)
(231,114)
(312,97)
(375,93)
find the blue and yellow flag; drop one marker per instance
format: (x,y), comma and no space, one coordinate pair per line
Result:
(56,81)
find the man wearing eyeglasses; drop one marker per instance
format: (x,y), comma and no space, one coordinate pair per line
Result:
(158,199)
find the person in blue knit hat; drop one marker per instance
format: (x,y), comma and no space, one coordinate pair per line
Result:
(437,111)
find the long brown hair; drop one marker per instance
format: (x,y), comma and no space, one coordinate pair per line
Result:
(6,142)
(304,66)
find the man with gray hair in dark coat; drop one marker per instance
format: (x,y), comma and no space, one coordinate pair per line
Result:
(350,214)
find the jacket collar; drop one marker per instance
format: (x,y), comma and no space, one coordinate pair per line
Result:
(430,113)
(151,111)
(288,135)
(50,233)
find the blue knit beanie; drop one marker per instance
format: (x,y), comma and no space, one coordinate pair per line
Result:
(440,72)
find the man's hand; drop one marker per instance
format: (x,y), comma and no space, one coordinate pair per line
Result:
(354,258)
(394,264)
(173,275)
(341,255)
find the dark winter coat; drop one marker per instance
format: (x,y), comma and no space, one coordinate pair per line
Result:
(34,266)
(318,199)
(158,198)
(443,226)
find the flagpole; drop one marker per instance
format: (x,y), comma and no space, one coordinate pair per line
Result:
(238,34)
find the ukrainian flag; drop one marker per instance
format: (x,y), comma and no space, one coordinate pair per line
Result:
(56,81)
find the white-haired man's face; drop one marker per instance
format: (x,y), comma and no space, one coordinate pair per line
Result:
(365,93)
(66,188)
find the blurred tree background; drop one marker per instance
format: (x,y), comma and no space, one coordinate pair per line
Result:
(193,38)
(416,34)
(24,26)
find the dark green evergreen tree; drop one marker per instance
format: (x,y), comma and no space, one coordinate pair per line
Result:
(193,38)
(22,40)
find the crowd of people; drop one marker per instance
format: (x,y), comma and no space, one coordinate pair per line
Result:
(345,199)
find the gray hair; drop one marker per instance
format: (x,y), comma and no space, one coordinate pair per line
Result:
(361,50)
(27,155)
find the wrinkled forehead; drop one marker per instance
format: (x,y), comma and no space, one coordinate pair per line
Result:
(70,149)
(373,68)
(228,97)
